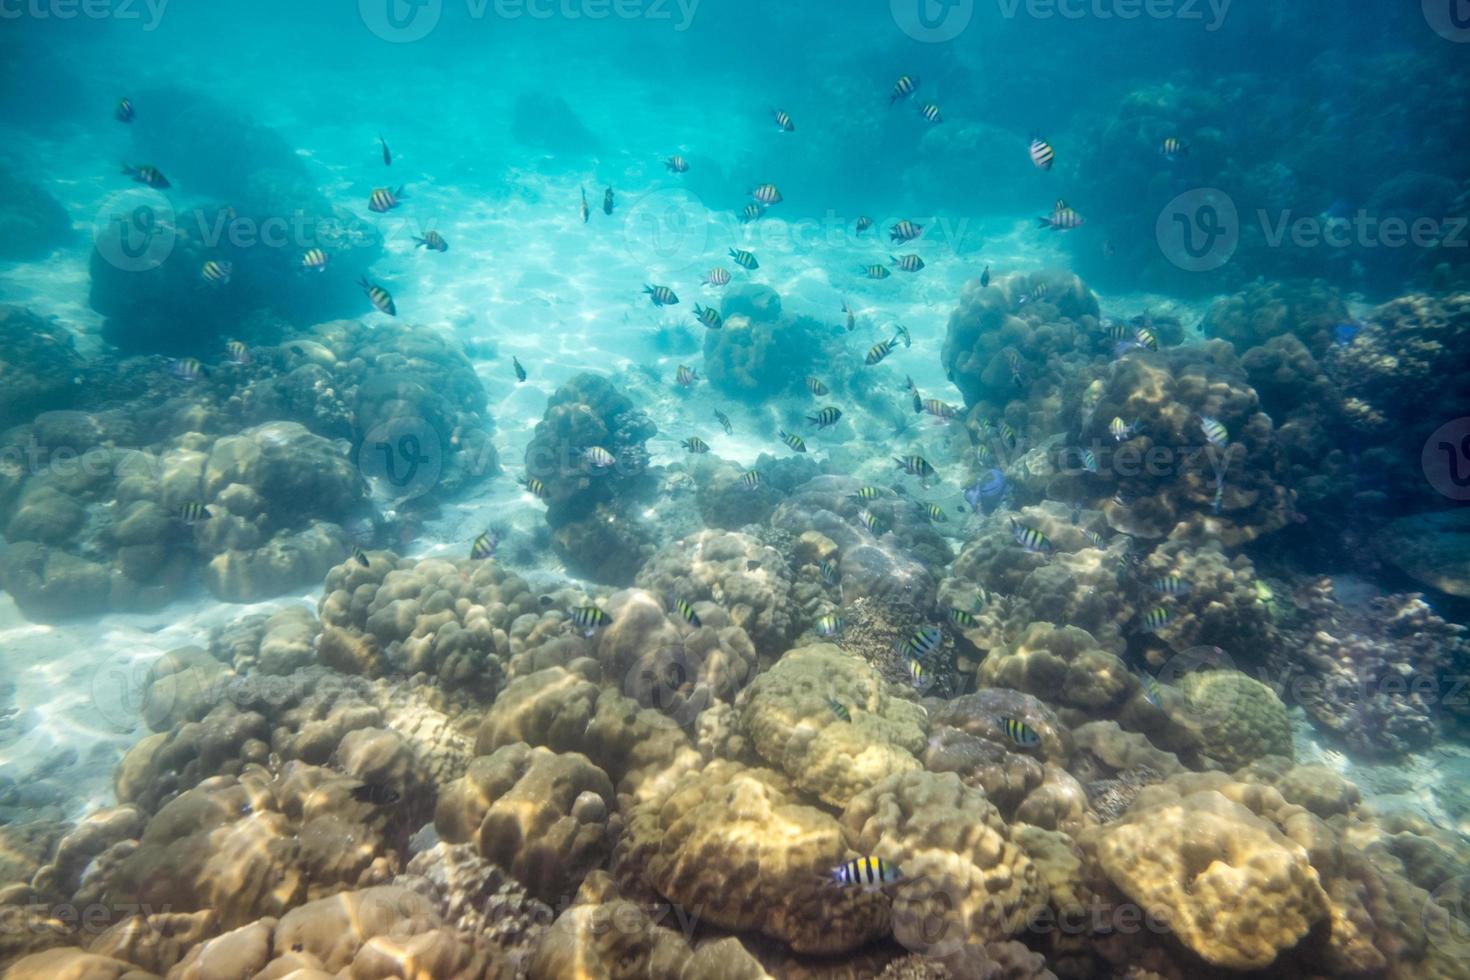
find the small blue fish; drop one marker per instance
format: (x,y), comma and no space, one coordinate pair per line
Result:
(1345,333)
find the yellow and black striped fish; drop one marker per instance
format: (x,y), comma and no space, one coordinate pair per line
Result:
(431,240)
(815,386)
(535,487)
(868,493)
(724,421)
(709,316)
(124,112)
(1020,732)
(794,441)
(149,175)
(1042,153)
(661,295)
(589,618)
(1215,433)
(783,121)
(863,223)
(607,201)
(315,258)
(717,276)
(962,619)
(868,873)
(744,259)
(1172,148)
(677,164)
(751,479)
(908,263)
(218,272)
(828,571)
(360,556)
(1156,619)
(914,465)
(766,194)
(238,352)
(686,376)
(877,272)
(381,299)
(829,625)
(826,417)
(931,113)
(921,643)
(598,457)
(193,512)
(695,445)
(903,88)
(936,514)
(938,409)
(1174,585)
(752,212)
(905,231)
(188,369)
(687,613)
(1062,218)
(851,317)
(871,522)
(384,199)
(1030,538)
(879,351)
(485,545)
(839,709)
(918,673)
(1146,338)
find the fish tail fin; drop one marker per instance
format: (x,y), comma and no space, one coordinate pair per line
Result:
(1043,222)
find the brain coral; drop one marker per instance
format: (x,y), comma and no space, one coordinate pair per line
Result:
(1238,719)
(951,844)
(1230,886)
(732,842)
(787,713)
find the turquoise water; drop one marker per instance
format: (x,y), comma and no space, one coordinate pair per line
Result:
(308,337)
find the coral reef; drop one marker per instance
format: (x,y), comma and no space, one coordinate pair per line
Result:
(1375,672)
(591,495)
(760,351)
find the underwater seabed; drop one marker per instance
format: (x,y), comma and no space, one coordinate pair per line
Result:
(685,725)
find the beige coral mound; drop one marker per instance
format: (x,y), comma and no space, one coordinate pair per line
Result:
(732,842)
(1230,886)
(964,880)
(606,936)
(791,723)
(540,815)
